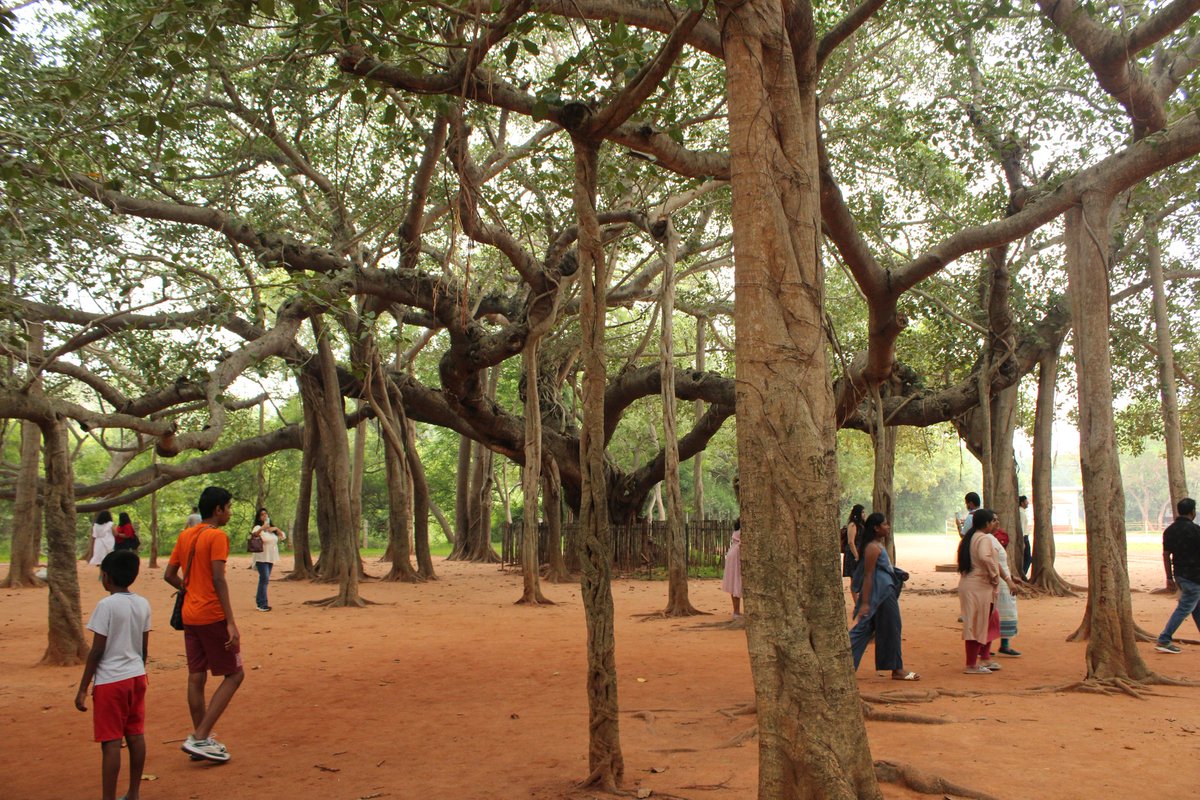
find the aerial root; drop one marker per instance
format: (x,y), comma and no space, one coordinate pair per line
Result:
(920,781)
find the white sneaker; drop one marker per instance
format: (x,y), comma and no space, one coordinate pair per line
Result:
(208,748)
(992,665)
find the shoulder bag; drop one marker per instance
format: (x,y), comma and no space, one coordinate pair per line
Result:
(177,611)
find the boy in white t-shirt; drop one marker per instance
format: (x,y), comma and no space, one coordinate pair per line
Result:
(117,662)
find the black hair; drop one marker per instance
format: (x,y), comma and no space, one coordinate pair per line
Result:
(869,531)
(121,567)
(737,524)
(124,518)
(211,499)
(979,519)
(103,517)
(1186,506)
(1022,499)
(856,515)
(259,513)
(973,499)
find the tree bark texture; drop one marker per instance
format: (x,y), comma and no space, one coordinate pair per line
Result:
(606,765)
(812,739)
(359,465)
(1112,650)
(27,504)
(420,493)
(399,515)
(1176,473)
(462,504)
(340,562)
(678,604)
(27,512)
(531,473)
(883,487)
(65,644)
(1043,574)
(556,565)
(302,563)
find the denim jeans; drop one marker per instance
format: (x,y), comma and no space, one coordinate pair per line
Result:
(1189,603)
(264,574)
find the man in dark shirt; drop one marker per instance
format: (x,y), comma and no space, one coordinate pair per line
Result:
(1181,558)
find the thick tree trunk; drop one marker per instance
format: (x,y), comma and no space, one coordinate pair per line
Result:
(698,459)
(606,765)
(340,562)
(812,740)
(1043,575)
(27,512)
(302,568)
(883,487)
(1176,474)
(1112,650)
(1004,473)
(531,473)
(556,565)
(678,604)
(65,644)
(462,501)
(399,514)
(27,504)
(359,465)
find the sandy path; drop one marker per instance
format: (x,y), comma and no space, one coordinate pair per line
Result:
(447,690)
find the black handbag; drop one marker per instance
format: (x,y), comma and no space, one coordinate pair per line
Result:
(177,611)
(254,544)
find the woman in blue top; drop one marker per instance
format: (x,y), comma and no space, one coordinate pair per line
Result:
(878,609)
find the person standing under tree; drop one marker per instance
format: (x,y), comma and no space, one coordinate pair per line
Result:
(117,664)
(194,518)
(1181,560)
(731,581)
(1027,536)
(265,559)
(210,636)
(964,523)
(877,612)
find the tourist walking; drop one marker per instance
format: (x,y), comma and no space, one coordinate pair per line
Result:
(103,540)
(1006,599)
(1181,559)
(877,612)
(124,535)
(210,636)
(850,535)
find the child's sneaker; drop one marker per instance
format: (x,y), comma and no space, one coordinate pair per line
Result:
(1169,647)
(208,748)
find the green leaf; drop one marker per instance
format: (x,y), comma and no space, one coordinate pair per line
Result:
(160,19)
(147,126)
(267,7)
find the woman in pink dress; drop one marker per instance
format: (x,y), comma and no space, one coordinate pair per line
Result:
(977,590)
(732,580)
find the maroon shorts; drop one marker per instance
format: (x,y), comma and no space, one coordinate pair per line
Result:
(205,646)
(119,709)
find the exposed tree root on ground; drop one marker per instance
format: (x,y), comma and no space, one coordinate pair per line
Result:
(671,613)
(739,711)
(877,715)
(735,624)
(920,781)
(930,592)
(741,738)
(1050,583)
(340,602)
(1118,686)
(533,599)
(397,576)
(910,696)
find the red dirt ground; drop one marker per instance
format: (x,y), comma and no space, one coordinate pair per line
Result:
(448,690)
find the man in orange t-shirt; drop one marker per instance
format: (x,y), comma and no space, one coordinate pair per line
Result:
(210,636)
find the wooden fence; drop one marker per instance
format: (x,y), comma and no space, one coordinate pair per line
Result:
(639,547)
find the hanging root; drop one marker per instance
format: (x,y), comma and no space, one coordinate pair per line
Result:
(875,715)
(919,781)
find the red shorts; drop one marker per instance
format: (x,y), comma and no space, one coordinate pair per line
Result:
(205,647)
(119,709)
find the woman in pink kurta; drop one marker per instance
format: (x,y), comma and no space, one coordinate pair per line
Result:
(731,581)
(977,587)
